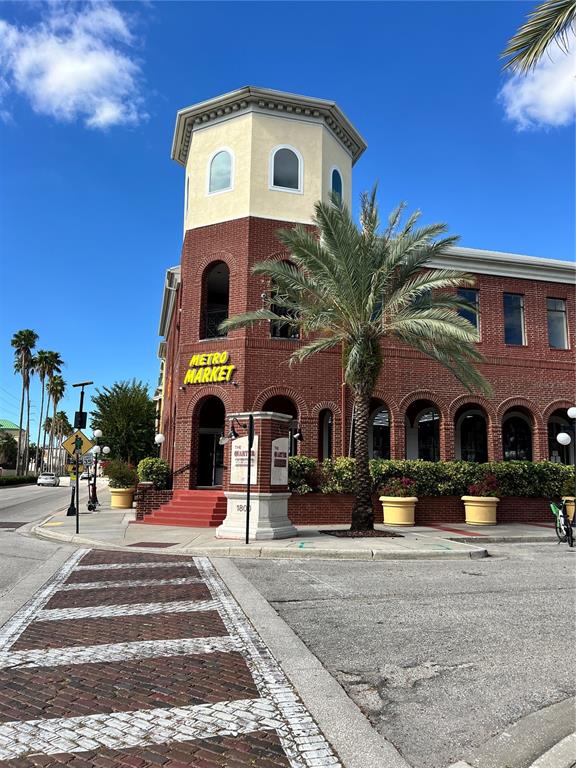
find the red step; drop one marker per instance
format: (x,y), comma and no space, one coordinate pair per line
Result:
(194,509)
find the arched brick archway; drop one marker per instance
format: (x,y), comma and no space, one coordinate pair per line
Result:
(270,392)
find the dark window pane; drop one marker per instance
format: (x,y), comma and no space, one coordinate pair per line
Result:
(337,184)
(286,167)
(516,440)
(514,319)
(471,296)
(557,336)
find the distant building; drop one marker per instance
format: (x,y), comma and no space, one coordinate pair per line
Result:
(257,160)
(9,428)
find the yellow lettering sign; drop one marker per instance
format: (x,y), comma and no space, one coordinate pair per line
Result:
(209,367)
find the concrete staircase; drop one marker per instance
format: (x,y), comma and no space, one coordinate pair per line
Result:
(196,509)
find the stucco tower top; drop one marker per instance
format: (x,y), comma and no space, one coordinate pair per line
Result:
(263,153)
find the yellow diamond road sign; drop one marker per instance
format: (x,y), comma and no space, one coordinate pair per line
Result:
(77,443)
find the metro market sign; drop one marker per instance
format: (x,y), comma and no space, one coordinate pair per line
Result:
(209,368)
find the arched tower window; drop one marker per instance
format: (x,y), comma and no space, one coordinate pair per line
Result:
(278,329)
(286,169)
(220,172)
(215,297)
(336,184)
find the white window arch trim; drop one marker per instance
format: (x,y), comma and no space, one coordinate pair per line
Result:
(209,167)
(271,186)
(336,168)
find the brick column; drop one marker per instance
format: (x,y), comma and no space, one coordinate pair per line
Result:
(269,482)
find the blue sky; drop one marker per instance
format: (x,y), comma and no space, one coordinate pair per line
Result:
(91,204)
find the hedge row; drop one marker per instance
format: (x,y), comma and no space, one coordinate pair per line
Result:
(435,478)
(17,480)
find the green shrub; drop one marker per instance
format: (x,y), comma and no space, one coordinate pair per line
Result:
(442,478)
(18,480)
(156,471)
(303,474)
(120,474)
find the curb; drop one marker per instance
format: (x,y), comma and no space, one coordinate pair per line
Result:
(271,553)
(562,755)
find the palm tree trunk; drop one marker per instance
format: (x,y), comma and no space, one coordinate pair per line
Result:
(362,514)
(51,439)
(27,449)
(39,426)
(18,458)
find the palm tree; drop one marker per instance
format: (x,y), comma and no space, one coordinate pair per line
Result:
(56,389)
(63,429)
(354,286)
(23,342)
(550,21)
(47,364)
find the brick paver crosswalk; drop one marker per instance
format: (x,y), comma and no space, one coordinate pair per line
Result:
(140,660)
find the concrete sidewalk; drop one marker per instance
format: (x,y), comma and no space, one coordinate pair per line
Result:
(112,529)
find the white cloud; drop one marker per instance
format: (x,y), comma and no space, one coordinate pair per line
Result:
(74,64)
(546,96)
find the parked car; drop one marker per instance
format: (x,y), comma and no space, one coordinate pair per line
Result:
(48,478)
(85,475)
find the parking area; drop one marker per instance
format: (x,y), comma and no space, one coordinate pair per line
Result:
(440,655)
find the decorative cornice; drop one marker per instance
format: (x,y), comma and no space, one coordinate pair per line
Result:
(171,284)
(264,100)
(478,261)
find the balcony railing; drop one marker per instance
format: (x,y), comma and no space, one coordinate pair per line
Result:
(211,320)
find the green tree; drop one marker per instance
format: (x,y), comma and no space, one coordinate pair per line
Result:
(56,388)
(23,342)
(8,450)
(126,415)
(550,21)
(48,364)
(353,286)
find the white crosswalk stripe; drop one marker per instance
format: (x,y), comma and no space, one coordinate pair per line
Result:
(137,609)
(129,583)
(96,654)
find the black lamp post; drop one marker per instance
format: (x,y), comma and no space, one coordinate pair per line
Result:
(79,423)
(159,439)
(233,435)
(565,438)
(93,498)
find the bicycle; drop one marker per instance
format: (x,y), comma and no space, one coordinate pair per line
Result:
(564,526)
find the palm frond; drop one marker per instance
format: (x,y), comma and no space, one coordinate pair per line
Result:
(550,21)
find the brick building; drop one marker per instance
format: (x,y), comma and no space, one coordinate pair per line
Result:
(255,161)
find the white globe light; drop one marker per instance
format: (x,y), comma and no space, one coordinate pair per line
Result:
(97,433)
(106,449)
(96,449)
(563,438)
(572,412)
(159,439)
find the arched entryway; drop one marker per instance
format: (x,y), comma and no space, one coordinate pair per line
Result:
(210,454)
(471,434)
(379,433)
(558,421)
(423,431)
(284,404)
(517,435)
(215,300)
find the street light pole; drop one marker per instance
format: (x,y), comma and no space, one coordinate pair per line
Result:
(565,438)
(93,501)
(75,509)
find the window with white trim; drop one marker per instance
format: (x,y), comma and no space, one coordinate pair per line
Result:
(286,169)
(220,178)
(557,327)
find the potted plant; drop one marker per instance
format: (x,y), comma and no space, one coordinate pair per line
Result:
(155,471)
(482,501)
(122,481)
(398,501)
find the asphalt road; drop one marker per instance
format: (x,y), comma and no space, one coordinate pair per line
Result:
(439,655)
(26,563)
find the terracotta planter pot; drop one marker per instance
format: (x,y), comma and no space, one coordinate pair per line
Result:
(122,498)
(398,510)
(480,510)
(569,505)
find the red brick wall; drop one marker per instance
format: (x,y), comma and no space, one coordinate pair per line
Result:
(147,499)
(326,509)
(534,376)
